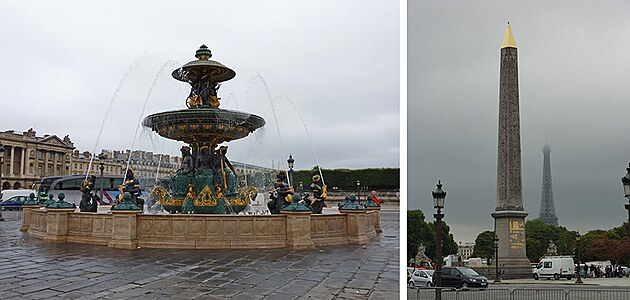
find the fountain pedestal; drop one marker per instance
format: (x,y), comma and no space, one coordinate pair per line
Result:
(57,224)
(27,215)
(124,229)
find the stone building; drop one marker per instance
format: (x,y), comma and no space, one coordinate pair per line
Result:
(28,158)
(465,250)
(81,164)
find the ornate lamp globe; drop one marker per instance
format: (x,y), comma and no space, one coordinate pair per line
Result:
(625,180)
(438,196)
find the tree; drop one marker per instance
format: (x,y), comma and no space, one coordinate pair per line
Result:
(538,234)
(484,245)
(419,231)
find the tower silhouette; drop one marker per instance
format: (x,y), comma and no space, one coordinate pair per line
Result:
(547,208)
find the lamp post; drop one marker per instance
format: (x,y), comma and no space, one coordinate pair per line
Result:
(301,187)
(497,275)
(438,202)
(626,190)
(101,167)
(577,257)
(358,189)
(1,167)
(290,161)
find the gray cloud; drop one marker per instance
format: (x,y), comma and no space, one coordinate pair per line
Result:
(337,61)
(573,68)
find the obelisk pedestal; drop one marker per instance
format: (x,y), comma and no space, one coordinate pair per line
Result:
(509,214)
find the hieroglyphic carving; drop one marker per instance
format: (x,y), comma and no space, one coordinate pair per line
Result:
(509,184)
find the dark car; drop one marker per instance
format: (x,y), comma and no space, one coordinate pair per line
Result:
(13,203)
(461,277)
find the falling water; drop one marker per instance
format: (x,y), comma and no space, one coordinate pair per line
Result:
(144,106)
(232,97)
(109,108)
(309,137)
(273,109)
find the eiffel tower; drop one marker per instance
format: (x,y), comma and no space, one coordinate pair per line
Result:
(547,209)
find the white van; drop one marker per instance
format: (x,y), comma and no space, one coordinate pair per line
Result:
(6,194)
(556,267)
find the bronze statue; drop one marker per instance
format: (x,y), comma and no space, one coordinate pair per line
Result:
(319,195)
(204,159)
(131,186)
(279,196)
(88,202)
(224,168)
(188,166)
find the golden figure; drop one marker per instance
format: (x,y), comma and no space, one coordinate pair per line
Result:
(214,102)
(193,101)
(218,192)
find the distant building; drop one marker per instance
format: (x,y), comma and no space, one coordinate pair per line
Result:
(81,164)
(28,158)
(465,250)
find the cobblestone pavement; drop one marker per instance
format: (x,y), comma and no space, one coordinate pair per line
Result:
(34,269)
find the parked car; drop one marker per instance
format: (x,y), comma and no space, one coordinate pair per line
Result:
(410,271)
(624,272)
(461,277)
(6,194)
(556,267)
(421,278)
(13,203)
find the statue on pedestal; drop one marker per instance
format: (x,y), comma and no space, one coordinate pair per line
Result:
(552,249)
(88,201)
(280,194)
(319,195)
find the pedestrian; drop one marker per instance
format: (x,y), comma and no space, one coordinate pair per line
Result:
(374,199)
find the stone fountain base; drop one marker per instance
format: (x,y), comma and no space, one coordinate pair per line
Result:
(133,230)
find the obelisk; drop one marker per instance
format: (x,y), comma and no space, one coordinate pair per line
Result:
(509,214)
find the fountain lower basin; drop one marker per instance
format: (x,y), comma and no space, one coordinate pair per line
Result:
(133,230)
(203,125)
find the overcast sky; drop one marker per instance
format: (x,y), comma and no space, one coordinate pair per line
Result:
(337,61)
(574,69)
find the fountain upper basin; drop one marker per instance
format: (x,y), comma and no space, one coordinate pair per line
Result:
(203,125)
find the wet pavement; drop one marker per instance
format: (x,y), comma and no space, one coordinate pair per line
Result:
(33,269)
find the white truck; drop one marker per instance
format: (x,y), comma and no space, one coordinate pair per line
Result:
(556,267)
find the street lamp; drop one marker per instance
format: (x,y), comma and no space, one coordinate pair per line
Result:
(497,275)
(1,166)
(290,161)
(626,190)
(438,202)
(577,257)
(301,187)
(101,167)
(358,189)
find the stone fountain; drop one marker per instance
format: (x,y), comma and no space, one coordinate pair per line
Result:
(206,182)
(204,190)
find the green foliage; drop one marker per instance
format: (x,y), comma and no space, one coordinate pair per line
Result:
(346,179)
(419,231)
(538,234)
(484,245)
(612,244)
